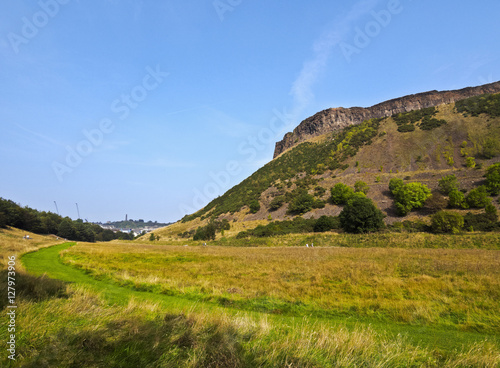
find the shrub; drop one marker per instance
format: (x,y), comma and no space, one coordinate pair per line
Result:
(360,215)
(470,162)
(302,203)
(326,223)
(478,197)
(395,184)
(276,203)
(447,184)
(341,193)
(491,148)
(411,196)
(361,186)
(429,123)
(447,222)
(481,222)
(436,202)
(457,199)
(254,206)
(493,179)
(406,128)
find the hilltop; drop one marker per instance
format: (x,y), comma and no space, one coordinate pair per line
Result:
(335,119)
(461,138)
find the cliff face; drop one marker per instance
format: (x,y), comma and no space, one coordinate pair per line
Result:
(332,120)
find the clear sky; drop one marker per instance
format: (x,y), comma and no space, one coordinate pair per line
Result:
(152,108)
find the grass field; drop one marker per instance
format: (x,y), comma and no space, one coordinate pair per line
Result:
(153,305)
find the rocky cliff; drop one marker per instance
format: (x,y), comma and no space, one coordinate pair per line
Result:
(334,119)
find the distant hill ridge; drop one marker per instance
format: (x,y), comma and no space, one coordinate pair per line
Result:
(335,119)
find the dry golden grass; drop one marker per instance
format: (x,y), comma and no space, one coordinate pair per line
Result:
(458,287)
(12,243)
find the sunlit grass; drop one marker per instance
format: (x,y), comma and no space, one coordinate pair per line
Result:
(459,288)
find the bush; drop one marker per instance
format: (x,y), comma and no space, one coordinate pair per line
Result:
(276,203)
(411,196)
(302,203)
(447,184)
(457,199)
(254,206)
(395,184)
(478,197)
(470,162)
(360,215)
(493,179)
(361,186)
(481,222)
(429,123)
(341,193)
(406,128)
(447,222)
(326,223)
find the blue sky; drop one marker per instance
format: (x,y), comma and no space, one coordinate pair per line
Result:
(152,108)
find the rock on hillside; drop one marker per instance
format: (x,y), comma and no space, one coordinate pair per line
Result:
(335,119)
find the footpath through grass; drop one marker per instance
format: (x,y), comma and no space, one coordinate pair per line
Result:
(442,338)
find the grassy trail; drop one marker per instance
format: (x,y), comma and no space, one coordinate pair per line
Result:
(47,261)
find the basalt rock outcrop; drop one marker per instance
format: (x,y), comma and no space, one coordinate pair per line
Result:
(335,119)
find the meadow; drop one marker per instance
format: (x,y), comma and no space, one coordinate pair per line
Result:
(146,304)
(449,287)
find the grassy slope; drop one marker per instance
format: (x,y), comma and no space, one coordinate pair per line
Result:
(420,155)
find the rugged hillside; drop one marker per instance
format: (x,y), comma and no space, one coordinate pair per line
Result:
(461,138)
(335,119)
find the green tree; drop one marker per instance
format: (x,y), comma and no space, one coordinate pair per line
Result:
(66,229)
(411,196)
(361,186)
(341,193)
(152,237)
(360,215)
(447,222)
(447,184)
(478,197)
(493,179)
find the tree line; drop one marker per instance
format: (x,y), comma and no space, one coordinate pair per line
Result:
(44,223)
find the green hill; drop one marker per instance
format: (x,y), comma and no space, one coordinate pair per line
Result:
(461,139)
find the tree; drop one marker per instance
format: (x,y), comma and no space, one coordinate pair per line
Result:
(447,184)
(478,197)
(411,196)
(493,179)
(152,237)
(447,222)
(360,215)
(361,187)
(66,229)
(341,193)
